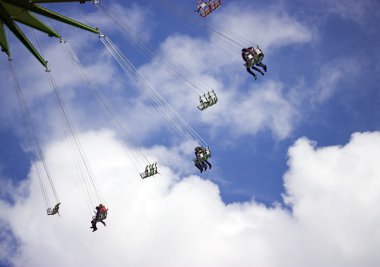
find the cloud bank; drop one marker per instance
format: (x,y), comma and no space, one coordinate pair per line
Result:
(331,218)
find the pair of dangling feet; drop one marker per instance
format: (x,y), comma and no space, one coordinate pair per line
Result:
(262,73)
(93,223)
(202,166)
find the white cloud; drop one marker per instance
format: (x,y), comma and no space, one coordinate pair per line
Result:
(205,64)
(262,106)
(333,193)
(270,27)
(134,20)
(357,11)
(333,74)
(265,108)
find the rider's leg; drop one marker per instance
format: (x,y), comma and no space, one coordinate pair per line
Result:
(93,223)
(252,73)
(209,164)
(199,166)
(204,165)
(261,64)
(253,67)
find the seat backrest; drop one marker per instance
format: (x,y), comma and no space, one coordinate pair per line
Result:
(258,50)
(103,216)
(202,4)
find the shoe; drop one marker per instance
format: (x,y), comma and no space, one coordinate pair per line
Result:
(93,230)
(265,68)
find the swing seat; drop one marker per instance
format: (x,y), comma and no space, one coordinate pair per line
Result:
(205,8)
(150,170)
(53,211)
(254,57)
(102,216)
(207,102)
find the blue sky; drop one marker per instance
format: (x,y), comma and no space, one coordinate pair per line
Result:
(295,147)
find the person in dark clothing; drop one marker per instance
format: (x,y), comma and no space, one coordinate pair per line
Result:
(93,225)
(253,56)
(197,162)
(201,163)
(97,218)
(199,166)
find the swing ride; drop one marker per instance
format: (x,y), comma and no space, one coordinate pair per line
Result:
(13,12)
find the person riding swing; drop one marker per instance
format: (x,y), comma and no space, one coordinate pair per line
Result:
(253,56)
(101,214)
